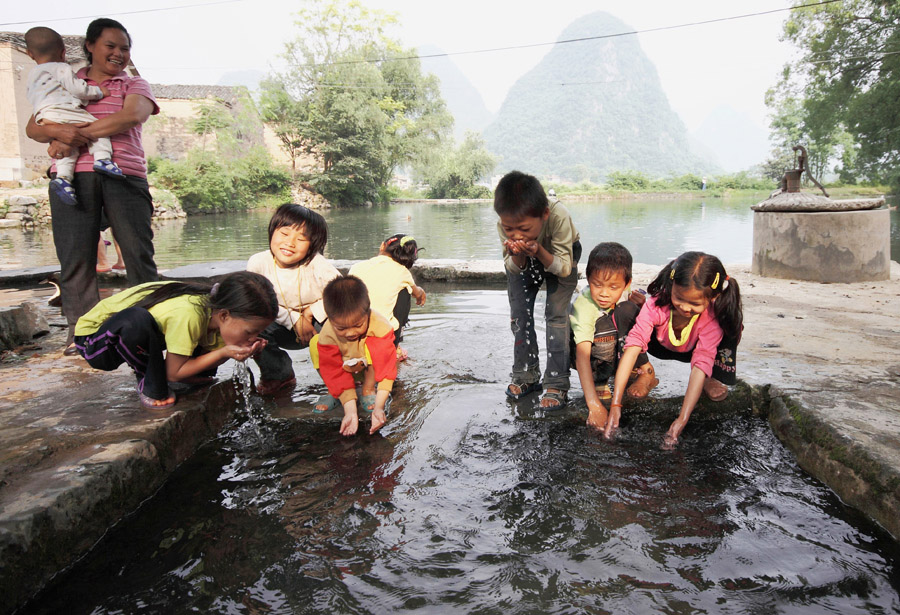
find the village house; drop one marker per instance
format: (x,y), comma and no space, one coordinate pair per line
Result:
(171,134)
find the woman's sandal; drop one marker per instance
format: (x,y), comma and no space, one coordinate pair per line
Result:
(526,388)
(604,393)
(644,382)
(559,399)
(270,387)
(328,401)
(71,350)
(153,404)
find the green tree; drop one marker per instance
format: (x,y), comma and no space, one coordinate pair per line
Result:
(353,98)
(849,73)
(454,174)
(288,119)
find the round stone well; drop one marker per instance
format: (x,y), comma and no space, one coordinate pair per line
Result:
(804,236)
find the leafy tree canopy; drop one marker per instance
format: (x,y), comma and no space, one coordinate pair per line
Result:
(355,99)
(842,98)
(453,175)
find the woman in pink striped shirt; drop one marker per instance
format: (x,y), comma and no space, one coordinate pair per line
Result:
(125,203)
(694,314)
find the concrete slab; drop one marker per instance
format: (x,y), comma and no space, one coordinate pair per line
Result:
(77,452)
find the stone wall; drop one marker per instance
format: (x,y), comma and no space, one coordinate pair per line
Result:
(27,210)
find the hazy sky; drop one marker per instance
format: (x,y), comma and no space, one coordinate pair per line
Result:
(701,67)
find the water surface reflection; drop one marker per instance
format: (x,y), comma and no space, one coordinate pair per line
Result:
(466,503)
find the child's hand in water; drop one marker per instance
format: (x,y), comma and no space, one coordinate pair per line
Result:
(350,422)
(612,423)
(514,246)
(671,439)
(530,248)
(242,353)
(597,415)
(378,420)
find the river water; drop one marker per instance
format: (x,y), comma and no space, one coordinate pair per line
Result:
(466,503)
(655,231)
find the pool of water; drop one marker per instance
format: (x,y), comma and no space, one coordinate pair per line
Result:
(466,503)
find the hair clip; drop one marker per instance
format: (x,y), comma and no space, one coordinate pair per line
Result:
(715,282)
(392,240)
(212,291)
(406,239)
(672,274)
(725,283)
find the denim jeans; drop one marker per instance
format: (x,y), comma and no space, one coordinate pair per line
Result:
(274,363)
(522,289)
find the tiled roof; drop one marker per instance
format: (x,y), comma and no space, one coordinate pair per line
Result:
(194,92)
(74,42)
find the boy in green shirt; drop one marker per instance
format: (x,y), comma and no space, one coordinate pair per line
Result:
(599,326)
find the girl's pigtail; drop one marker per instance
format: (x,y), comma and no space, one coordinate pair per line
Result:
(403,249)
(729,309)
(661,287)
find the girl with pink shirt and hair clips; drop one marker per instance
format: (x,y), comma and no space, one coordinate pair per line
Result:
(694,315)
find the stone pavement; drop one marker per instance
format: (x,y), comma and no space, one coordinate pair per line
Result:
(77,452)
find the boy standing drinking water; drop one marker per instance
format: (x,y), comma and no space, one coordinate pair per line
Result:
(540,244)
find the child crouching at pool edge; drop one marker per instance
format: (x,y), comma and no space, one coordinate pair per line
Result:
(356,342)
(694,314)
(298,270)
(390,283)
(198,326)
(599,326)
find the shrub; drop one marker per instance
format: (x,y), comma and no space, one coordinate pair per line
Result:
(205,182)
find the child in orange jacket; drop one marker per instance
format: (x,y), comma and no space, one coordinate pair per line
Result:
(355,343)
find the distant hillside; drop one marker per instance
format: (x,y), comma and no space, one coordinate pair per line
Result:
(463,100)
(592,107)
(736,140)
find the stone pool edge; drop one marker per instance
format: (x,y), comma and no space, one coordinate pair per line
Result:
(853,471)
(48,529)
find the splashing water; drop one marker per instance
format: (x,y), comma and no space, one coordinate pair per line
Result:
(251,409)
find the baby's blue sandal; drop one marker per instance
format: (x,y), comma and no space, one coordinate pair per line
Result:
(63,191)
(108,168)
(367,403)
(330,402)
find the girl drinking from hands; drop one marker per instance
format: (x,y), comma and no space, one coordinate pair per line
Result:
(197,325)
